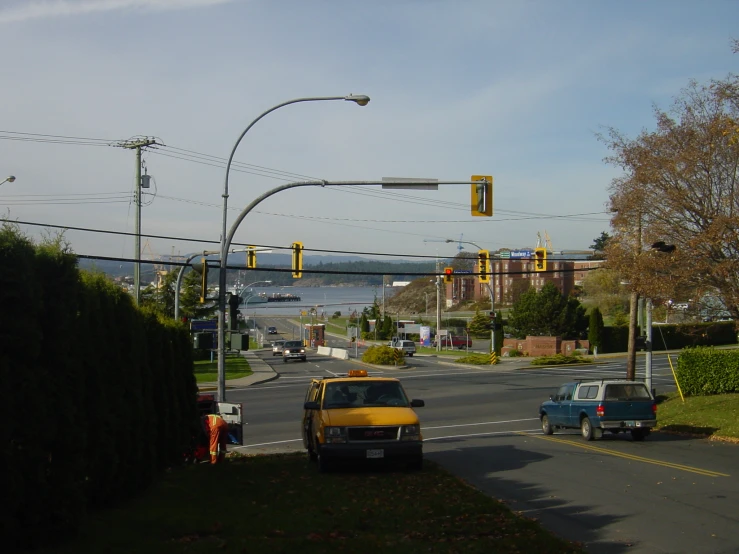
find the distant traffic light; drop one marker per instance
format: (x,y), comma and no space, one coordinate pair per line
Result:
(202,269)
(297,260)
(251,257)
(540,259)
(448,275)
(483,268)
(481,195)
(233,312)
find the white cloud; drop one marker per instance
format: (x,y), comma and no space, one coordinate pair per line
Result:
(27,10)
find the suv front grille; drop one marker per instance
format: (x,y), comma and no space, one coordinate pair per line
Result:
(373,433)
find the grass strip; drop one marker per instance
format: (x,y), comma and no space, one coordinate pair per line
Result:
(714,416)
(281,504)
(206,371)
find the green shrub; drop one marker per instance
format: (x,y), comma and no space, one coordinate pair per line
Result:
(336,315)
(705,370)
(515,353)
(474,359)
(383,355)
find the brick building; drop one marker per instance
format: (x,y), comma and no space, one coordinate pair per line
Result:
(512,277)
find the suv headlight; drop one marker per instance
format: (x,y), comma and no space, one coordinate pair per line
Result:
(335,434)
(410,433)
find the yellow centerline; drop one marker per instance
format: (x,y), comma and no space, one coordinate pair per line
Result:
(600,450)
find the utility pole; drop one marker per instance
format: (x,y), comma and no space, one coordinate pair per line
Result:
(137,145)
(438,307)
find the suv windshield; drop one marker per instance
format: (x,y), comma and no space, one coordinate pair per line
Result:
(293,344)
(364,393)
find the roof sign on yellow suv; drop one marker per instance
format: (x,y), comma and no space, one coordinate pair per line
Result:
(357,373)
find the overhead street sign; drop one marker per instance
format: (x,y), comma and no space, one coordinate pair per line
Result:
(522,253)
(409,183)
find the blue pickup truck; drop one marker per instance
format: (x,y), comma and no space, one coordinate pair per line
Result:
(613,405)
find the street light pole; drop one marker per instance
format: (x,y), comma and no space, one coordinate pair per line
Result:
(490,292)
(361,100)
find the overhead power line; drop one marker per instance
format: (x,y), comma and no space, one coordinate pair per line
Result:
(204,241)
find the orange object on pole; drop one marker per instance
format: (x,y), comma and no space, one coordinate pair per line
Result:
(217,430)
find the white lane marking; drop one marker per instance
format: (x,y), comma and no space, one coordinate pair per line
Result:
(482,434)
(481,423)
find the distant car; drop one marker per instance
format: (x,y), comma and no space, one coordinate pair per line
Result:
(451,341)
(271,330)
(277,347)
(293,350)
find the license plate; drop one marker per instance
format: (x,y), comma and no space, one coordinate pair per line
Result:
(377,453)
(629,423)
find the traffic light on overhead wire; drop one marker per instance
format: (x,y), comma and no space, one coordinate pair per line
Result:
(251,257)
(481,195)
(448,275)
(483,267)
(540,259)
(297,260)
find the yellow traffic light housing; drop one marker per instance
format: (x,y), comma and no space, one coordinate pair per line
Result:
(540,259)
(297,260)
(202,269)
(448,275)
(483,267)
(251,257)
(481,195)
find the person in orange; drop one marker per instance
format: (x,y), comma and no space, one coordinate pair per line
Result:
(217,431)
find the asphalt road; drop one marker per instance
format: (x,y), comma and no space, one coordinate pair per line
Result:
(666,494)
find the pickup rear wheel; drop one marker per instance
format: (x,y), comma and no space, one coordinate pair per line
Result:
(546,428)
(586,429)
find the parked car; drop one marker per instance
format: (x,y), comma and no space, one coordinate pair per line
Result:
(293,350)
(451,341)
(271,330)
(277,346)
(356,417)
(613,405)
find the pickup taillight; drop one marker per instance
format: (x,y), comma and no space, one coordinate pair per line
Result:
(600,411)
(654,408)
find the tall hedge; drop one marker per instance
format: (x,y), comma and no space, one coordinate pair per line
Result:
(705,371)
(99,396)
(673,337)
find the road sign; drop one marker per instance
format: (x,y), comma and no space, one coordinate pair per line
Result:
(203,324)
(504,254)
(463,271)
(522,253)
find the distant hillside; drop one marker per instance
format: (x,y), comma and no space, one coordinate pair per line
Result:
(396,270)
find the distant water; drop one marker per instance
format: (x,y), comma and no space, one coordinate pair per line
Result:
(328,299)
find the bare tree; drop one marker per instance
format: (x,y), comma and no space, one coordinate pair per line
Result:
(680,188)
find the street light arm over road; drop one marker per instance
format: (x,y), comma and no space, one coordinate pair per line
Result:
(360,100)
(421,183)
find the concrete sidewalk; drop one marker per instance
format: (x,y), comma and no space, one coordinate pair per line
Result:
(261,373)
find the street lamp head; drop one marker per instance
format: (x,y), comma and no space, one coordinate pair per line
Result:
(11,178)
(360,99)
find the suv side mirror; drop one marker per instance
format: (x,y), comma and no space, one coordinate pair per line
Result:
(417,403)
(311,406)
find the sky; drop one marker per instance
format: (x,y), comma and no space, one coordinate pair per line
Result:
(518,90)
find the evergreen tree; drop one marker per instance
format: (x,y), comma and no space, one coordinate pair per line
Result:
(479,325)
(547,313)
(595,330)
(388,329)
(364,324)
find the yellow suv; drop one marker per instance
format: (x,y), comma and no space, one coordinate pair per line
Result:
(356,417)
